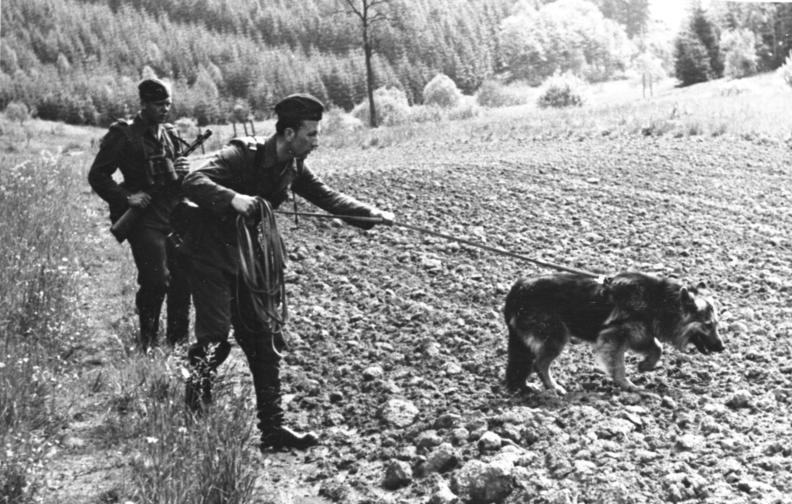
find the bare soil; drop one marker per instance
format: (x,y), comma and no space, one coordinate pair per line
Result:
(428,313)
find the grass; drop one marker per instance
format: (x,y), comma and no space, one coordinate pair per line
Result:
(753,108)
(46,250)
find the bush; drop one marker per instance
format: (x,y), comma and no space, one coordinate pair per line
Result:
(187,127)
(494,94)
(335,120)
(739,48)
(466,109)
(391,106)
(785,70)
(691,61)
(442,92)
(565,90)
(426,113)
(17,111)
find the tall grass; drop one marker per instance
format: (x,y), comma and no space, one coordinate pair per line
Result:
(38,277)
(45,242)
(176,456)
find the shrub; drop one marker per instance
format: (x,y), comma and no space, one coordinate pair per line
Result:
(335,120)
(565,90)
(466,109)
(426,113)
(691,61)
(739,48)
(391,106)
(442,92)
(494,94)
(187,127)
(785,70)
(17,111)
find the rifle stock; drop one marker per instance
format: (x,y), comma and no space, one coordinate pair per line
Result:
(121,228)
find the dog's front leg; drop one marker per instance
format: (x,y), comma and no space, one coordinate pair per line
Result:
(610,347)
(652,351)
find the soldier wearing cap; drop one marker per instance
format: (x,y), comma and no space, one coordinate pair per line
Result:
(147,151)
(229,185)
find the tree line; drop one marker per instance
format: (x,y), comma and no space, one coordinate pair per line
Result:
(79,60)
(218,53)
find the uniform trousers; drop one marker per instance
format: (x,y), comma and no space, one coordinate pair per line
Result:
(161,273)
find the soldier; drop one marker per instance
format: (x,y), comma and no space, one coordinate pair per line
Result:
(147,151)
(229,185)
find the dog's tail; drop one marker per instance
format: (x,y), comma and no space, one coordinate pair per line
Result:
(520,363)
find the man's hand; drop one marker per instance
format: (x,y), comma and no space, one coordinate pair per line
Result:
(181,165)
(387,217)
(244,204)
(139,199)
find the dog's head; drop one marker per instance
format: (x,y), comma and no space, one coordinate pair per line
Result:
(700,319)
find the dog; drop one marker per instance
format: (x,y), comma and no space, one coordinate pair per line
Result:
(630,310)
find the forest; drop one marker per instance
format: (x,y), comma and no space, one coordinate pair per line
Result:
(78,60)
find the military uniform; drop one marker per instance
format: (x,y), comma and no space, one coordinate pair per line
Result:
(222,300)
(136,148)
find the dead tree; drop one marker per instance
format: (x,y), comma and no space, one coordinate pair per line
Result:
(369,13)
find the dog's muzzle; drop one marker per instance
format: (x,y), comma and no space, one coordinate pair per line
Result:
(706,343)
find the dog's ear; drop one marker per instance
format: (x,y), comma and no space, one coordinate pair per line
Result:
(688,303)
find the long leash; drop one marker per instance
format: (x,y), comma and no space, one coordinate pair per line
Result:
(507,253)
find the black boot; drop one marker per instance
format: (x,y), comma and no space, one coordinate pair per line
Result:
(273,434)
(178,324)
(148,307)
(178,313)
(203,366)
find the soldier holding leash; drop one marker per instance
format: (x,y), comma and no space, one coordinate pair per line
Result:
(240,180)
(147,151)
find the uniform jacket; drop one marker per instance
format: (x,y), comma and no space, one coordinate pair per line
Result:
(250,166)
(127,147)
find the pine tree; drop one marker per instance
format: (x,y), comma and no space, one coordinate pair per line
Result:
(709,35)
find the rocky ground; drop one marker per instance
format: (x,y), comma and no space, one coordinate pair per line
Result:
(397,344)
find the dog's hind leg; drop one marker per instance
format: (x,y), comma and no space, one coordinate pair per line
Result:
(549,351)
(610,347)
(520,363)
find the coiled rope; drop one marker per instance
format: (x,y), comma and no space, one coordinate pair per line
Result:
(262,265)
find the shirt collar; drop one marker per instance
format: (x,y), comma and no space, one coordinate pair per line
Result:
(271,154)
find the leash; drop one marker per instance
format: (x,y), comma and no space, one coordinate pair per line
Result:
(261,260)
(380,220)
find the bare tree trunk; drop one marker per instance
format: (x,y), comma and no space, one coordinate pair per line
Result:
(369,78)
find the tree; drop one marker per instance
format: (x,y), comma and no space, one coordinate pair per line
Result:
(632,14)
(369,13)
(565,35)
(708,34)
(691,61)
(739,48)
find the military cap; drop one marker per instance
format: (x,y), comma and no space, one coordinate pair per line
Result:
(300,106)
(152,90)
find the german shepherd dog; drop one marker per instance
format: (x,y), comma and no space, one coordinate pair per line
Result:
(630,310)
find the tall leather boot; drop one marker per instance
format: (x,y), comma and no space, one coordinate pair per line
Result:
(203,361)
(274,435)
(178,312)
(148,307)
(178,323)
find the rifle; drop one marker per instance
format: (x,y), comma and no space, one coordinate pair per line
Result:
(123,225)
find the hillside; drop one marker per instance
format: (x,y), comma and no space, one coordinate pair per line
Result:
(220,53)
(693,183)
